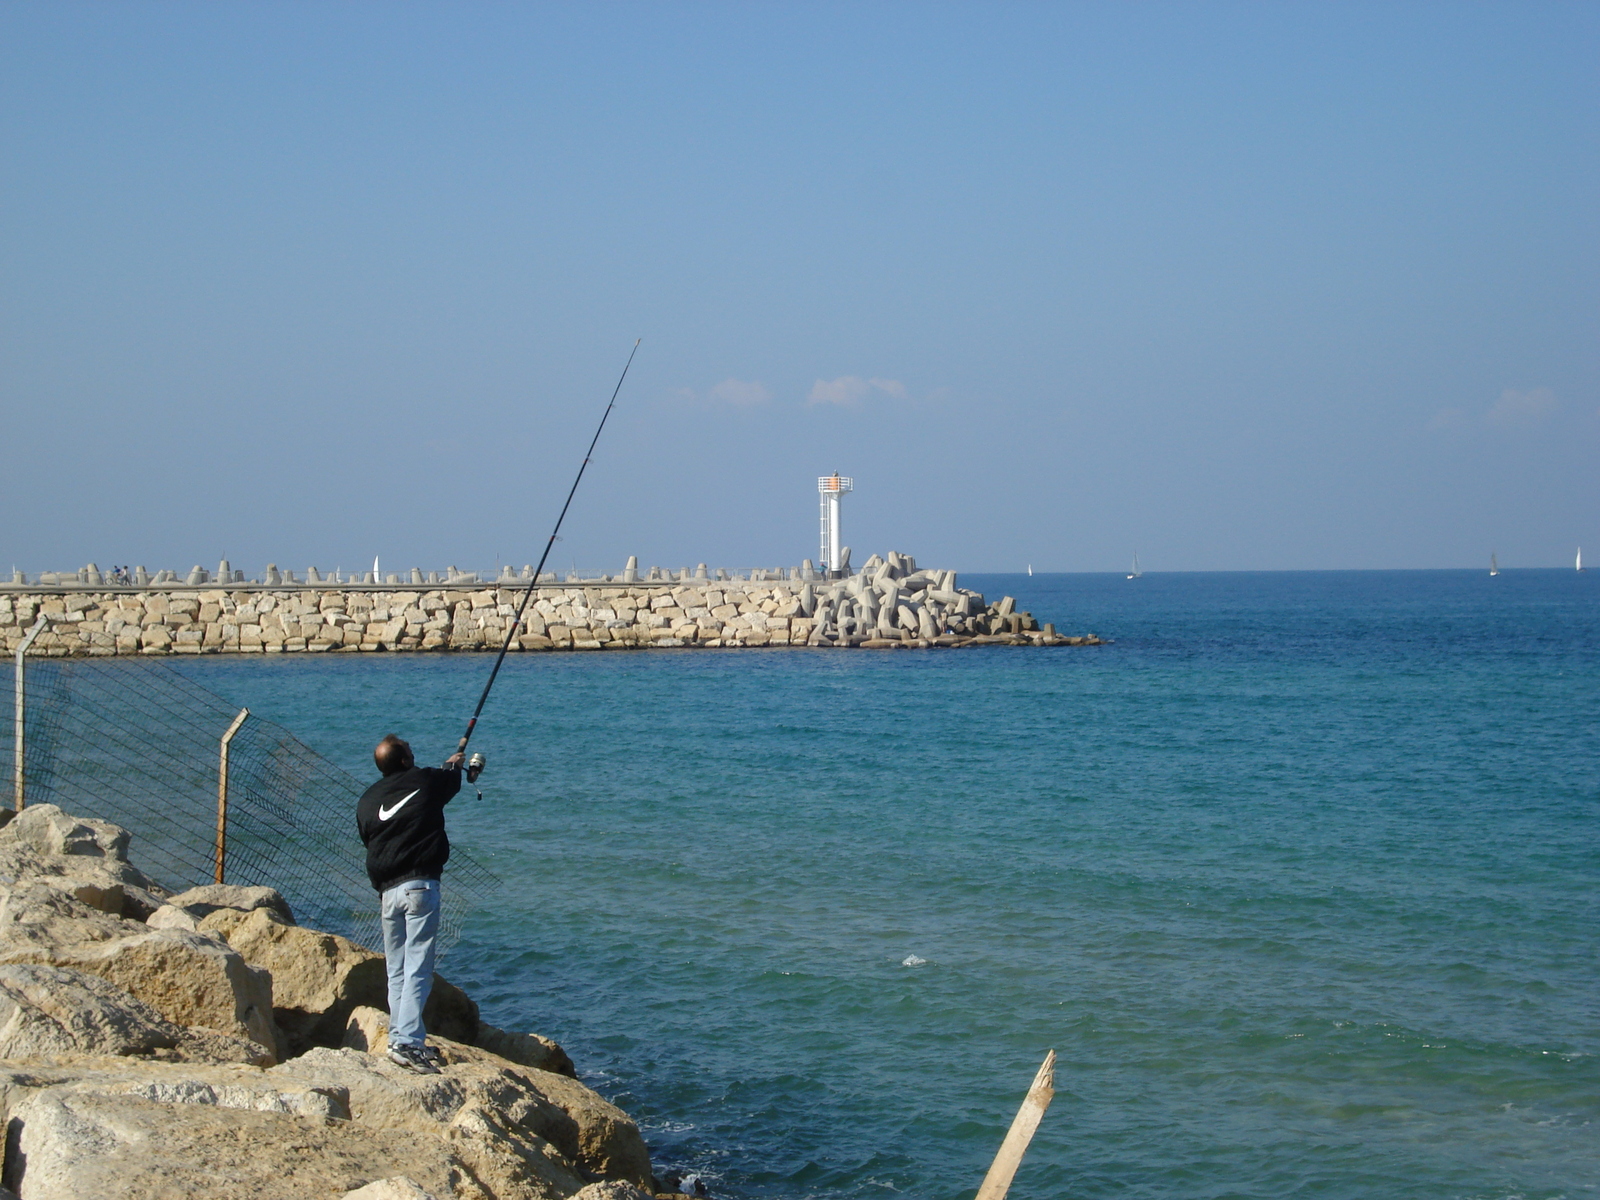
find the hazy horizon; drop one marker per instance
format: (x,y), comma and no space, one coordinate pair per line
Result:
(1237,287)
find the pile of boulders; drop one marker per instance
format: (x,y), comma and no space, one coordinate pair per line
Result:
(203,1044)
(889,603)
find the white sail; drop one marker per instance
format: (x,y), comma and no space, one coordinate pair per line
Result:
(1579,563)
(1135,572)
(1494,565)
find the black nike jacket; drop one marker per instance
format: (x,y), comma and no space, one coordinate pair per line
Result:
(401,820)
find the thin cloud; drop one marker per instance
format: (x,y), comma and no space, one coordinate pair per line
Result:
(1522,408)
(742,392)
(852,389)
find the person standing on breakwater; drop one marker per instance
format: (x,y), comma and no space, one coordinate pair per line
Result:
(401,822)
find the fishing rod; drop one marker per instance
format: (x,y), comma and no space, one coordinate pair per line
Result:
(476,766)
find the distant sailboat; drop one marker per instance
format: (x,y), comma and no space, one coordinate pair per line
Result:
(1030,565)
(1494,564)
(1580,558)
(1135,573)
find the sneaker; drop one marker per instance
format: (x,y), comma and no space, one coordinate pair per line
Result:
(412,1059)
(431,1053)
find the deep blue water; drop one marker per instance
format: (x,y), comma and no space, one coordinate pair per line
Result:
(1298,877)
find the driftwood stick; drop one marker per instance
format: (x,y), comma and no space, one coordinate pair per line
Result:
(998,1181)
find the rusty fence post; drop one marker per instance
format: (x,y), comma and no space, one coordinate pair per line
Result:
(19,788)
(222,794)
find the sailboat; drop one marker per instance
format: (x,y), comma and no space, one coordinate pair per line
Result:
(1494,565)
(1580,558)
(1030,565)
(1135,573)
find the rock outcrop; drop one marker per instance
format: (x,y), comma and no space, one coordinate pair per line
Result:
(217,1049)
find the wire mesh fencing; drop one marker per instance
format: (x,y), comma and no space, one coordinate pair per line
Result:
(135,742)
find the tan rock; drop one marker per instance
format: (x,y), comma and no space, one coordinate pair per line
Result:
(526,1049)
(591,1132)
(71,1146)
(608,1140)
(36,917)
(107,884)
(495,1119)
(317,978)
(205,900)
(190,978)
(47,1010)
(368,1029)
(48,830)
(400,1187)
(611,1189)
(504,1160)
(233,1085)
(169,917)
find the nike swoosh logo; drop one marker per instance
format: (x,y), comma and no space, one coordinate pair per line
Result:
(385,813)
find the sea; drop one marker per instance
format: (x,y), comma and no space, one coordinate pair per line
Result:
(1297,875)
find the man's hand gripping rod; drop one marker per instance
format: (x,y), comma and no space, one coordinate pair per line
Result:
(516,622)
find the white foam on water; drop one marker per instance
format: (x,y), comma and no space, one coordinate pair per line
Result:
(914,960)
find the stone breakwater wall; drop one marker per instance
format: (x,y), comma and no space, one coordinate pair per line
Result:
(888,604)
(204,1045)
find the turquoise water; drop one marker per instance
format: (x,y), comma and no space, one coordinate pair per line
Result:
(1298,877)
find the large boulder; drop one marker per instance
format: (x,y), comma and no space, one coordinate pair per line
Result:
(103,881)
(513,1140)
(202,901)
(589,1134)
(47,1011)
(37,916)
(528,1049)
(189,978)
(506,1160)
(47,829)
(608,1141)
(611,1189)
(368,1030)
(319,979)
(399,1188)
(118,888)
(70,1145)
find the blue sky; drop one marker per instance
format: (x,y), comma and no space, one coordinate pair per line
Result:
(1235,286)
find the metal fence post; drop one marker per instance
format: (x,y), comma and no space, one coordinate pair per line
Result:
(222,794)
(19,793)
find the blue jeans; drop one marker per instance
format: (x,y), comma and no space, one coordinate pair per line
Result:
(410,925)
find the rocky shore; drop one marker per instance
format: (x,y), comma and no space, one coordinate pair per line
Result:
(204,1045)
(888,604)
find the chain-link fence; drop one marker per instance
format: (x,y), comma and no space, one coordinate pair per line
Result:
(135,742)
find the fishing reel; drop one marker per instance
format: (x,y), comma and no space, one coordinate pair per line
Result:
(475,766)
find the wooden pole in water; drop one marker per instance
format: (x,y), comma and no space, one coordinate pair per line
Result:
(998,1181)
(222,793)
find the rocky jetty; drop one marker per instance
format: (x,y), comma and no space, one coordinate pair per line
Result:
(888,604)
(204,1045)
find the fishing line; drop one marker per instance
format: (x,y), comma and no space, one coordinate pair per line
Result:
(516,622)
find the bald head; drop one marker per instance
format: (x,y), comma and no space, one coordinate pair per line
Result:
(393,755)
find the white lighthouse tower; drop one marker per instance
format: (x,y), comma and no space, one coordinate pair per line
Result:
(832,489)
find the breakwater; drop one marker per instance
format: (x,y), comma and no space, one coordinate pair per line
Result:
(887,604)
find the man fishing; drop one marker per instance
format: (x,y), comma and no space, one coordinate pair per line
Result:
(401,821)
